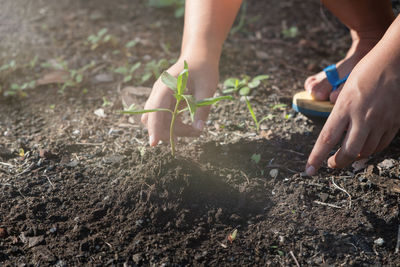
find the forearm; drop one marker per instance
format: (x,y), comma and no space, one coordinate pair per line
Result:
(207,24)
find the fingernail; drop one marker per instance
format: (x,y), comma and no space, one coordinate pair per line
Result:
(199,125)
(151,140)
(310,170)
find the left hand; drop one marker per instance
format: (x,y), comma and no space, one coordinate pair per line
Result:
(367,112)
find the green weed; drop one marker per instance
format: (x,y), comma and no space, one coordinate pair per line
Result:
(243,86)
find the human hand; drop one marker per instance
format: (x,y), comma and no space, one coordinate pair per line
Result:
(367,112)
(202,83)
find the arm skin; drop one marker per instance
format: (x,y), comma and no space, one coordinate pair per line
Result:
(368,107)
(207,24)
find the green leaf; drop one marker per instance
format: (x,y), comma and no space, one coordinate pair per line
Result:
(107,38)
(131,44)
(245,91)
(228,91)
(191,103)
(146,77)
(279,106)
(212,100)
(79,78)
(127,78)
(121,70)
(182,79)
(250,108)
(256,158)
(261,77)
(254,83)
(15,86)
(169,81)
(230,82)
(135,67)
(102,32)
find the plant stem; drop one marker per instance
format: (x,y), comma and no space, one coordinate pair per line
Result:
(171,129)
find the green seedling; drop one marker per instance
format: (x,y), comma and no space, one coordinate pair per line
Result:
(154,69)
(106,103)
(243,86)
(256,158)
(178,86)
(232,236)
(132,43)
(9,66)
(128,71)
(75,76)
(291,32)
(253,115)
(101,37)
(179,6)
(16,89)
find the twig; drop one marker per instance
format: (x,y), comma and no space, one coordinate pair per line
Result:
(7,164)
(327,204)
(343,190)
(247,178)
(398,241)
(48,179)
(295,152)
(294,258)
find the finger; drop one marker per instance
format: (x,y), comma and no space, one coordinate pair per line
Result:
(157,127)
(386,139)
(201,114)
(371,143)
(351,147)
(327,139)
(334,95)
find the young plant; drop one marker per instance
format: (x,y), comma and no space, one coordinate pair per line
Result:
(127,71)
(154,69)
(95,40)
(178,86)
(75,76)
(253,115)
(243,86)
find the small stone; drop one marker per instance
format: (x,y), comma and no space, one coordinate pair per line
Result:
(76,132)
(274,173)
(100,113)
(73,164)
(34,241)
(359,165)
(379,241)
(387,164)
(103,78)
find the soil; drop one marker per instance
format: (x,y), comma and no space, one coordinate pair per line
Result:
(88,190)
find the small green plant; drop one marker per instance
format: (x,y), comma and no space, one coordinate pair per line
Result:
(256,158)
(253,115)
(291,32)
(75,76)
(101,37)
(16,89)
(155,68)
(127,71)
(178,5)
(243,86)
(178,86)
(9,66)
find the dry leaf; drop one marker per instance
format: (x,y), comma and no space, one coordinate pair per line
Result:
(58,76)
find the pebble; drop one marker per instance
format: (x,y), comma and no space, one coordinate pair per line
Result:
(379,241)
(387,164)
(274,173)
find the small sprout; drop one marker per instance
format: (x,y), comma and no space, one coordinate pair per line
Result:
(232,236)
(253,115)
(243,86)
(106,103)
(85,91)
(132,43)
(279,106)
(291,32)
(52,106)
(21,152)
(256,158)
(127,71)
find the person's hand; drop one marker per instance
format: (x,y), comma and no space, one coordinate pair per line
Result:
(202,83)
(367,112)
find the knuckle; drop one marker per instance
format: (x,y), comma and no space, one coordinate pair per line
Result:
(327,138)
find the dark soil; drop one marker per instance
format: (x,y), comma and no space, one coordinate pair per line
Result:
(88,190)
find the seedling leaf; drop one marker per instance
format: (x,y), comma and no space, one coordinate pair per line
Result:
(245,91)
(232,236)
(135,67)
(230,82)
(191,103)
(254,83)
(182,79)
(212,100)
(169,81)
(256,158)
(260,77)
(253,115)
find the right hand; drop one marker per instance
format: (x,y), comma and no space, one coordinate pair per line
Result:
(202,83)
